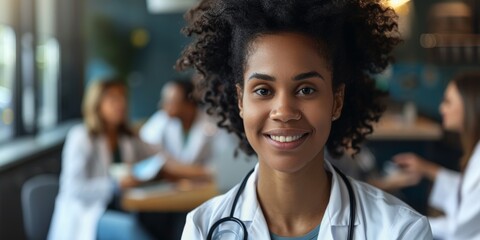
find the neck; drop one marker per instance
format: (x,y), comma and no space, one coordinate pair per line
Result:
(293,203)
(188,119)
(112,137)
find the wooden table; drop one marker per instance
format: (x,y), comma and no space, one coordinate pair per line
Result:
(169,197)
(393,127)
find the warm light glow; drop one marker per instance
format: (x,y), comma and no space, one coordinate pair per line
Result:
(397,3)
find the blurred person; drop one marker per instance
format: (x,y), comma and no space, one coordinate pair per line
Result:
(180,132)
(85,206)
(455,193)
(184,138)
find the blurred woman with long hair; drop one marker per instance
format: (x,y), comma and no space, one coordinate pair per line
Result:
(85,207)
(455,193)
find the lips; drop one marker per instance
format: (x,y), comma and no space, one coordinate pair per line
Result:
(286,139)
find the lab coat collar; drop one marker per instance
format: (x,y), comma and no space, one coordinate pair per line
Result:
(251,212)
(471,177)
(127,149)
(338,209)
(125,143)
(336,218)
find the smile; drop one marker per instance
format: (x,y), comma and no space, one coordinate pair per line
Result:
(284,139)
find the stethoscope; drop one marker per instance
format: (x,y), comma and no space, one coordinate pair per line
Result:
(243,234)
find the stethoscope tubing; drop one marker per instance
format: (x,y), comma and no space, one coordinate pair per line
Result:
(240,190)
(232,211)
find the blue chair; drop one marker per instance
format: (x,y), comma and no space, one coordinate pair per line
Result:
(38,202)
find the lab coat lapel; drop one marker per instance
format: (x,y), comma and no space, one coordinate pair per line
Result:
(336,219)
(258,228)
(471,177)
(199,135)
(335,222)
(174,138)
(99,166)
(248,210)
(195,142)
(127,149)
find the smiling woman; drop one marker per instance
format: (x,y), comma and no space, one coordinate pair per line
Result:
(287,102)
(291,78)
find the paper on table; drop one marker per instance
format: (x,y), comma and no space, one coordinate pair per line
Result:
(158,188)
(148,168)
(118,170)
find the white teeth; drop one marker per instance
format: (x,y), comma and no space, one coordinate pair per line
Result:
(285,138)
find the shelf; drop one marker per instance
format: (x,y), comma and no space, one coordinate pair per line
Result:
(439,40)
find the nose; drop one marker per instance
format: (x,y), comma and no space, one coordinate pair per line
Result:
(285,110)
(441,108)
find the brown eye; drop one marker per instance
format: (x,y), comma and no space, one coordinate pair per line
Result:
(306,91)
(262,92)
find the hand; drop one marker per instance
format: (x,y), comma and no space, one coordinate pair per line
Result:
(414,164)
(176,170)
(128,182)
(400,179)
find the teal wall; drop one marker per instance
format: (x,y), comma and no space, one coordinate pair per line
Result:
(414,77)
(411,78)
(151,65)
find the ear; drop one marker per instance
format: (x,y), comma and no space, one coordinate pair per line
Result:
(338,100)
(240,99)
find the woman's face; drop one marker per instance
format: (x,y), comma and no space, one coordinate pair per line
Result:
(452,109)
(113,106)
(287,102)
(173,100)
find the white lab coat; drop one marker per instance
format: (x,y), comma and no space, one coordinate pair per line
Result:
(461,220)
(378,215)
(167,133)
(85,185)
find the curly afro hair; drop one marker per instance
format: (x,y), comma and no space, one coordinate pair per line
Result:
(359,36)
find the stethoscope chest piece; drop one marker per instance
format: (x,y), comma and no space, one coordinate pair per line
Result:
(229,229)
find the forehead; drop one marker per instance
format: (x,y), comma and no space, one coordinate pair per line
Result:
(115,89)
(285,51)
(452,90)
(172,91)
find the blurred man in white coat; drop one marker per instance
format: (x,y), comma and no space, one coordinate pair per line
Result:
(180,132)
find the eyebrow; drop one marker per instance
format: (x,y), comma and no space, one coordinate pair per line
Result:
(306,75)
(300,76)
(261,76)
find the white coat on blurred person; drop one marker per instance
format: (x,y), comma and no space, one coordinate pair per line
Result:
(86,186)
(166,134)
(181,130)
(455,193)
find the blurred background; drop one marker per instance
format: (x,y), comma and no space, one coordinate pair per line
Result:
(50,50)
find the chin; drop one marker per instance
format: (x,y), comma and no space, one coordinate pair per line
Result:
(287,164)
(451,128)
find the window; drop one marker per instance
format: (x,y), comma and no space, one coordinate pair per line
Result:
(47,63)
(7,77)
(41,65)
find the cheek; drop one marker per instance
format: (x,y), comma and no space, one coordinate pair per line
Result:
(459,117)
(169,109)
(112,111)
(254,117)
(120,106)
(452,117)
(322,125)
(455,112)
(319,113)
(104,110)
